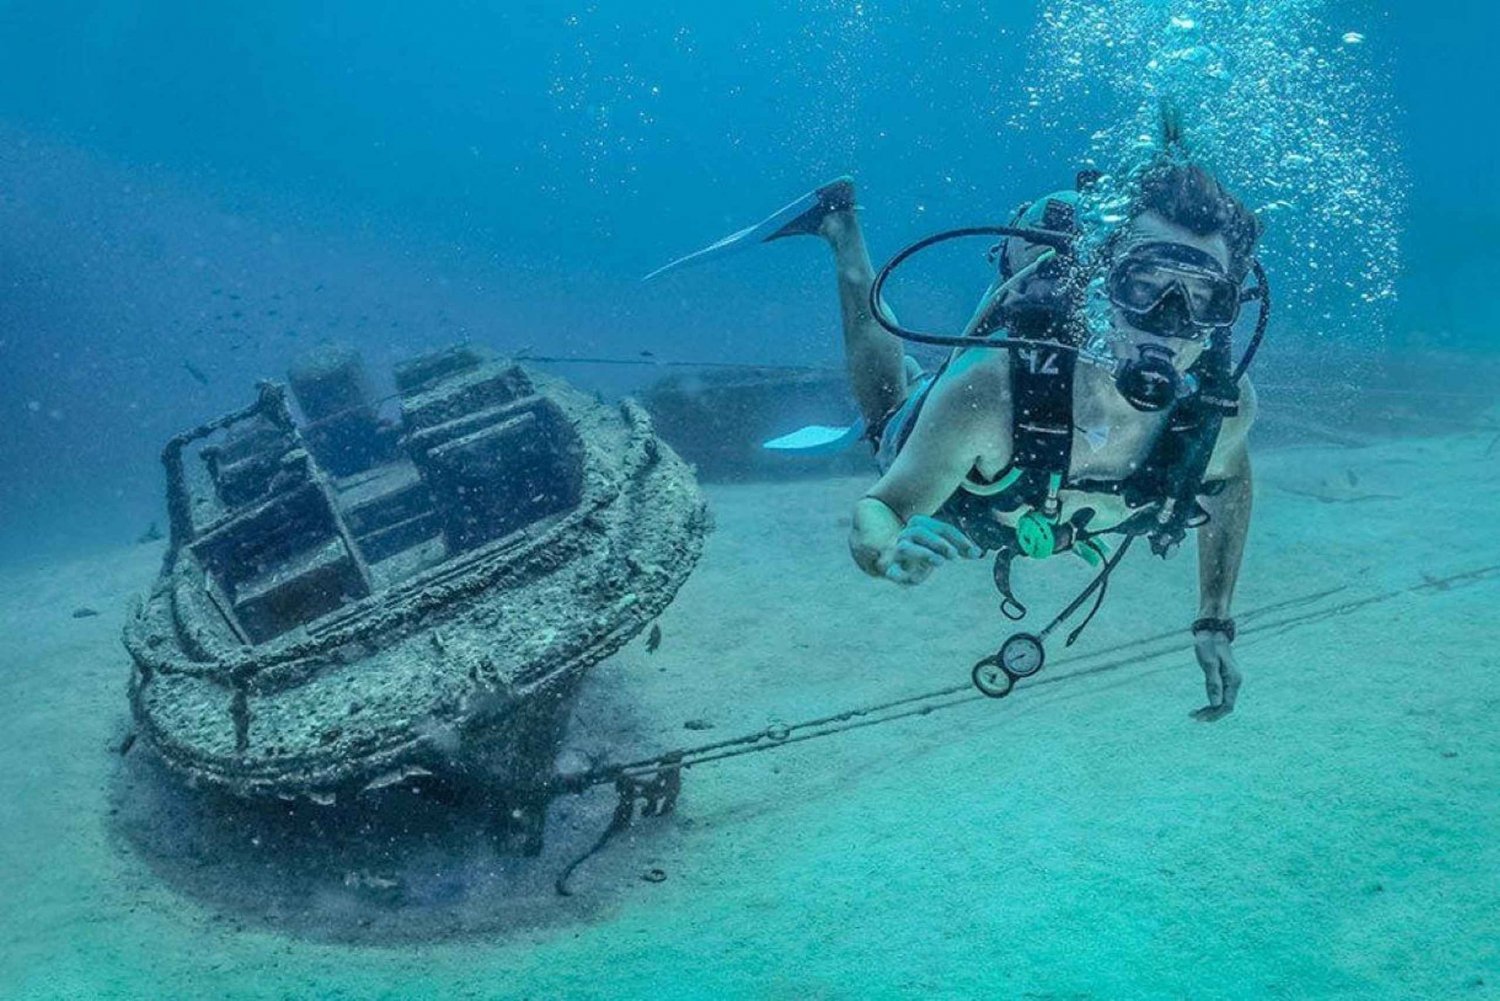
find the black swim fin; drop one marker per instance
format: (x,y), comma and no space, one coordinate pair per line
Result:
(800,218)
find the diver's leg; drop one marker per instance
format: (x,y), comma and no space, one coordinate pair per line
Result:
(873,355)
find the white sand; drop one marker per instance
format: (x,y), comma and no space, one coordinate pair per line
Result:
(1337,837)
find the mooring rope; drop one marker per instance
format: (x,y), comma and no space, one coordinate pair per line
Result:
(645,777)
(782,734)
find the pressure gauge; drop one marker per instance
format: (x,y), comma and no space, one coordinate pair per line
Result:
(1022,655)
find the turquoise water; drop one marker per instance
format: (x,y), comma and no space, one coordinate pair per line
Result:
(409,177)
(192,196)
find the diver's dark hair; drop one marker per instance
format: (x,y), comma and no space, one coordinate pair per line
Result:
(1191,197)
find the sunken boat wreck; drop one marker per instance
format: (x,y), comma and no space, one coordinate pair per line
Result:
(354,602)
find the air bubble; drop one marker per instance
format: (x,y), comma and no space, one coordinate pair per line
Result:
(1249,80)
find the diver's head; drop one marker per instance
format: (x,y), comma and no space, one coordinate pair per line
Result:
(1175,269)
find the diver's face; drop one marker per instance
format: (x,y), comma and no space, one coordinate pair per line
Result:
(1147,228)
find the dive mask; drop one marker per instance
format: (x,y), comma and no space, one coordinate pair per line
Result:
(1173,290)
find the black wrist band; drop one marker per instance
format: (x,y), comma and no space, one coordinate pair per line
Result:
(1225,626)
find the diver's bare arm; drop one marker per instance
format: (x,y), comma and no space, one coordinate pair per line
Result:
(948,436)
(1221,542)
(874,529)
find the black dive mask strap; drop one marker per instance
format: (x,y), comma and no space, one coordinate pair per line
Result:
(1064,245)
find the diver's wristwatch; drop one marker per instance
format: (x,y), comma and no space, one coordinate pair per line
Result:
(1223,626)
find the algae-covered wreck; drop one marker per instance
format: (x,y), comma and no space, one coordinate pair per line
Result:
(351,601)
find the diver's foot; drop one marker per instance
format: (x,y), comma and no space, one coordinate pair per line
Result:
(838,226)
(832,200)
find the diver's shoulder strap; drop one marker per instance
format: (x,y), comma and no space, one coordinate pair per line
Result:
(1041,387)
(1182,453)
(1217,389)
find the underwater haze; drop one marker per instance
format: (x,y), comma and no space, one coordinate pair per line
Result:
(223,187)
(196,196)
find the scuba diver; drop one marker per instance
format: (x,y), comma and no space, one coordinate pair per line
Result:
(1043,433)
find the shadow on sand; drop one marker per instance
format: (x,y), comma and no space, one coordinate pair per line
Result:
(418,862)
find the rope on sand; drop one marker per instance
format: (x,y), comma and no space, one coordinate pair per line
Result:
(656,781)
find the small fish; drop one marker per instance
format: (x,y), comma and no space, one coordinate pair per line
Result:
(194,371)
(379,889)
(126,744)
(84,613)
(648,354)
(653,640)
(151,534)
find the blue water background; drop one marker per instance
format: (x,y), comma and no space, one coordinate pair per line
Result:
(224,185)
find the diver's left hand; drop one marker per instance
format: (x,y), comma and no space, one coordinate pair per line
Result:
(925,544)
(1221,675)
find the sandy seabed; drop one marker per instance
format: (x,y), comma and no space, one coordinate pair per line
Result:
(1337,837)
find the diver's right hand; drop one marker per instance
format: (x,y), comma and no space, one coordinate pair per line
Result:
(924,545)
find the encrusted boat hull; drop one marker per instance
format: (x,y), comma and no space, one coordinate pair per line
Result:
(466,668)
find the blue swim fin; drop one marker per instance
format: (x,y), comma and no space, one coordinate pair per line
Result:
(801,218)
(818,439)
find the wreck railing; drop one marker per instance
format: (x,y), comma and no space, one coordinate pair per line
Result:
(270,403)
